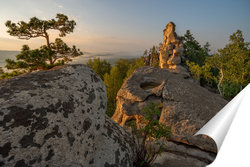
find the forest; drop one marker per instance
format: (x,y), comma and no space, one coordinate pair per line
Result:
(227,70)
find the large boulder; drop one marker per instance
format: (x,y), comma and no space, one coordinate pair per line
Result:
(57,118)
(187,107)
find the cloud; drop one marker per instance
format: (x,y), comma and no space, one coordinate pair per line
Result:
(57,5)
(71,17)
(38,11)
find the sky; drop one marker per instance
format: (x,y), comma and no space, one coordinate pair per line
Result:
(116,26)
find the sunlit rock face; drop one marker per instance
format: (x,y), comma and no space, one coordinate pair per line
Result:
(57,118)
(186,108)
(172,48)
(172,52)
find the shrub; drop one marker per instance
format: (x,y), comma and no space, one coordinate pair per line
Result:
(151,132)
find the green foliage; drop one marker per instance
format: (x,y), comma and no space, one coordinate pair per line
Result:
(123,66)
(219,62)
(6,75)
(135,64)
(119,73)
(196,58)
(48,56)
(145,52)
(238,68)
(62,51)
(156,65)
(154,54)
(113,82)
(153,50)
(230,68)
(1,71)
(99,66)
(114,77)
(43,58)
(233,63)
(199,72)
(229,90)
(38,28)
(193,50)
(151,132)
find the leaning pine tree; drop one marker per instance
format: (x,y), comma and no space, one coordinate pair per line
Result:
(49,55)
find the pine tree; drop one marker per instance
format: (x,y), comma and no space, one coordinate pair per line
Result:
(49,55)
(193,50)
(39,28)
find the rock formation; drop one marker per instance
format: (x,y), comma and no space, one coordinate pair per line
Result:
(187,107)
(171,54)
(57,118)
(171,50)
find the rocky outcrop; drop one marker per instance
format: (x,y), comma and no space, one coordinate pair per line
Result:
(172,48)
(172,52)
(187,107)
(57,118)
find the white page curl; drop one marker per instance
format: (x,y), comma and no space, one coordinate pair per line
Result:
(218,127)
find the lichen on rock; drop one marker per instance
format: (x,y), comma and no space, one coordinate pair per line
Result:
(57,118)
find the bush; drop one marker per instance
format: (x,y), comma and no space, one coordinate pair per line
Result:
(230,90)
(11,74)
(152,130)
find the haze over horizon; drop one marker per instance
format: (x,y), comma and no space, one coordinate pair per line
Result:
(129,26)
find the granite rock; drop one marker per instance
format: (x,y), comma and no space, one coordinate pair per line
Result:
(186,108)
(57,118)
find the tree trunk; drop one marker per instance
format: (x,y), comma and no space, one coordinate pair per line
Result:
(220,82)
(53,60)
(47,39)
(198,79)
(48,44)
(242,78)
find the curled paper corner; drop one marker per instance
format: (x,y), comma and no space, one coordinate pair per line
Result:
(218,127)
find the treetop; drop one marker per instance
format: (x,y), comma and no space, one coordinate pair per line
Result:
(38,28)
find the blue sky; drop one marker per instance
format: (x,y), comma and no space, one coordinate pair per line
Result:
(129,26)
